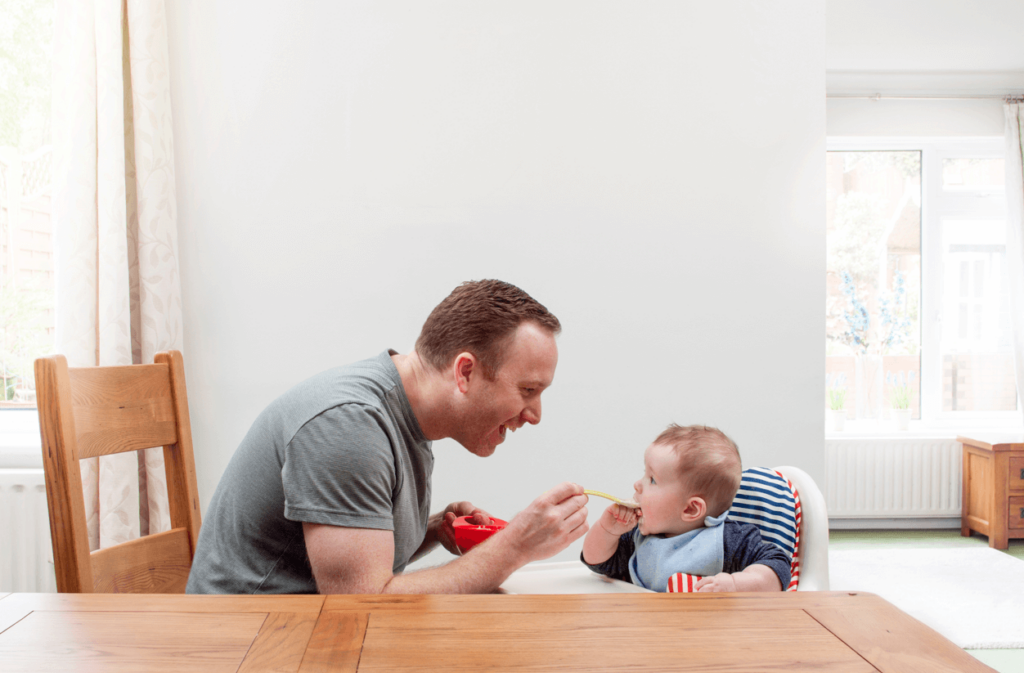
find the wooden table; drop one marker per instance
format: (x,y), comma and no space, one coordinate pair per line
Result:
(583,632)
(992,500)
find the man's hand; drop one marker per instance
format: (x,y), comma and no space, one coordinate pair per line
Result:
(441,523)
(549,524)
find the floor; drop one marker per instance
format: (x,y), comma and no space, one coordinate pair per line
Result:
(1004,661)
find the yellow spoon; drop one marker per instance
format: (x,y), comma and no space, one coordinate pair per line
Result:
(624,503)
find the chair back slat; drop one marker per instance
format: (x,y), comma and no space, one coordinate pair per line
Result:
(65,500)
(182,488)
(155,564)
(119,409)
(98,411)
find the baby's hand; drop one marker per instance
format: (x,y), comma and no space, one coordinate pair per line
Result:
(618,519)
(721,582)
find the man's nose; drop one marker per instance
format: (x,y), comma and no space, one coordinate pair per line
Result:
(531,414)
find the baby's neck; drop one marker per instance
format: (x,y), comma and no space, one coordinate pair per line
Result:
(685,529)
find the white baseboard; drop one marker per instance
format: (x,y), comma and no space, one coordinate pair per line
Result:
(916,523)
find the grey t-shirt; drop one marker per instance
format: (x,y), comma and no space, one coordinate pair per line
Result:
(342,448)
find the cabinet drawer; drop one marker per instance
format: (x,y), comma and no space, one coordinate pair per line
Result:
(1016,481)
(1015,517)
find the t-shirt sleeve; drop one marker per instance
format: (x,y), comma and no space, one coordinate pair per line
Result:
(616,567)
(744,547)
(339,469)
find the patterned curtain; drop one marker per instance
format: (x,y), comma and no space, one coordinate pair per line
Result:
(1015,229)
(114,224)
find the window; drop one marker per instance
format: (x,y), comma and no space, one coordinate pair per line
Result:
(917,313)
(26,250)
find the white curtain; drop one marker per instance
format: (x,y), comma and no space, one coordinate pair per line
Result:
(1015,229)
(114,227)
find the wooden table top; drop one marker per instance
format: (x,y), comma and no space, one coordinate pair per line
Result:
(811,631)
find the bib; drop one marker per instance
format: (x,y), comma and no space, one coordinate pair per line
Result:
(697,552)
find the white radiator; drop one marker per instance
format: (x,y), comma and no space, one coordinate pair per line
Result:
(25,554)
(893,478)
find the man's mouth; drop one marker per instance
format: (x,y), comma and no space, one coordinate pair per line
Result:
(507,425)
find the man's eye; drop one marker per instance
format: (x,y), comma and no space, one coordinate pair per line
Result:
(528,391)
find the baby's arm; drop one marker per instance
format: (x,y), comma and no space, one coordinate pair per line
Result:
(757,577)
(755,565)
(603,539)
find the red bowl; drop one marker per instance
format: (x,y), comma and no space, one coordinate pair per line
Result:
(469,535)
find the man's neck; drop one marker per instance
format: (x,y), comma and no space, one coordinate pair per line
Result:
(425,392)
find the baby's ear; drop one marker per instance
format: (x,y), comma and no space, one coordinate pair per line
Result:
(695,510)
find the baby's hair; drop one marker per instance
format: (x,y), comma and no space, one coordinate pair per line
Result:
(709,463)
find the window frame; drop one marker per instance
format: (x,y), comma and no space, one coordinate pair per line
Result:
(937,204)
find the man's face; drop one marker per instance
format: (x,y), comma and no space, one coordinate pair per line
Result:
(661,493)
(512,399)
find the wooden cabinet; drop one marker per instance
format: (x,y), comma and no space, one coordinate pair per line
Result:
(993,488)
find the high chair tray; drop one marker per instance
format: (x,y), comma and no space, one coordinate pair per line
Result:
(568,577)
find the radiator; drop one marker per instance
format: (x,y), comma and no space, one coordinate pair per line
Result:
(893,478)
(25,553)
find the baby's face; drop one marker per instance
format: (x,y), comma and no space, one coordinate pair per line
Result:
(661,493)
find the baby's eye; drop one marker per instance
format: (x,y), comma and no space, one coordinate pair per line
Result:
(652,480)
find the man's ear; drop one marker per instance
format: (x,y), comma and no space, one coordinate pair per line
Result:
(695,510)
(466,368)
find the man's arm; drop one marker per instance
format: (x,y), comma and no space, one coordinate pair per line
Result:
(359,560)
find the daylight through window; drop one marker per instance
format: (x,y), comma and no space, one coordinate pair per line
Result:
(917,313)
(26,245)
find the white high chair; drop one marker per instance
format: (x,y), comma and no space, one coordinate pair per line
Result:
(813,553)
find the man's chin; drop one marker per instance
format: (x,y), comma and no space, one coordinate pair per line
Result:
(483,449)
(487,449)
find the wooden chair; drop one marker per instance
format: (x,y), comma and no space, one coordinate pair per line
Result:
(98,411)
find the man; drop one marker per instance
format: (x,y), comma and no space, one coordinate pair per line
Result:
(330,489)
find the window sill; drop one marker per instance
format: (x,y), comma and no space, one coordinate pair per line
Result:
(18,452)
(20,446)
(948,430)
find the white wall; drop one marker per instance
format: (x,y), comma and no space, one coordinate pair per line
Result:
(925,36)
(653,173)
(915,118)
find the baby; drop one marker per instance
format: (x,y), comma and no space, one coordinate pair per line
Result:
(691,475)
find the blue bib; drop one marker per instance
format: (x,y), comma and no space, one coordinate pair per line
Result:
(698,552)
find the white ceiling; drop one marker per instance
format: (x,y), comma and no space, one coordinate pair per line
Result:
(925,35)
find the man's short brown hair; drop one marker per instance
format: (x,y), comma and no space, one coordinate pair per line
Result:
(479,316)
(709,463)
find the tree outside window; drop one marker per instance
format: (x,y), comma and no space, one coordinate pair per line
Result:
(873,296)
